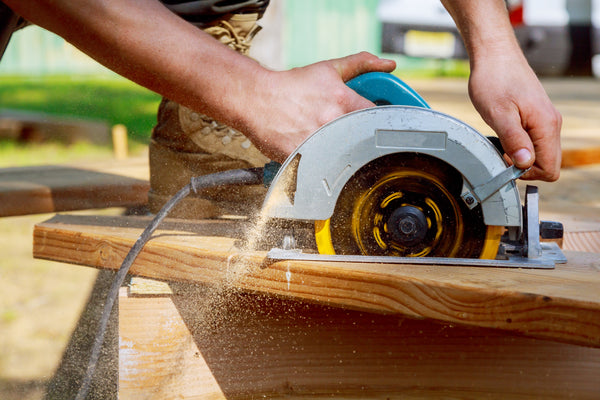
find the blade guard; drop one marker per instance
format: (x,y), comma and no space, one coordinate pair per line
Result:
(309,182)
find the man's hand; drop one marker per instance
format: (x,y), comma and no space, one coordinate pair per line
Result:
(297,102)
(505,91)
(512,101)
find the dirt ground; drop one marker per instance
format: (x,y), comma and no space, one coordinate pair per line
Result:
(40,302)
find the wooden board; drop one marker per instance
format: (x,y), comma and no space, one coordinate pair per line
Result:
(207,343)
(31,126)
(46,189)
(580,156)
(588,241)
(561,304)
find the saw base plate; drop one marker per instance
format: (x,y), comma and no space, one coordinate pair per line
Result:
(551,255)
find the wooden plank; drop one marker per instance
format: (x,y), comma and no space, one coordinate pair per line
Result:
(209,343)
(583,241)
(31,126)
(150,287)
(46,189)
(561,304)
(580,156)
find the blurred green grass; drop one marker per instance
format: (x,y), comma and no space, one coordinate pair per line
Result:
(16,154)
(111,99)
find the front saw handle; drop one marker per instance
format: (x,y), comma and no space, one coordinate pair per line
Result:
(385,89)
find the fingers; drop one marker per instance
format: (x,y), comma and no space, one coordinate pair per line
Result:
(320,96)
(350,67)
(515,140)
(356,64)
(530,137)
(537,148)
(518,109)
(545,135)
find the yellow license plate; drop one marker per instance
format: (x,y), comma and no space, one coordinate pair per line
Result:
(429,44)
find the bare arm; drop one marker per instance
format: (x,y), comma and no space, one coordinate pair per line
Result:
(505,90)
(145,42)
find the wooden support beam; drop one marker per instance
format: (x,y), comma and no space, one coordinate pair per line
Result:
(561,304)
(209,343)
(54,188)
(32,126)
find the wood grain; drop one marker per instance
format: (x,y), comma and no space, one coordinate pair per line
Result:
(561,304)
(45,189)
(588,241)
(206,343)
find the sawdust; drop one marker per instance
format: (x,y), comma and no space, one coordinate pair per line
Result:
(260,232)
(210,310)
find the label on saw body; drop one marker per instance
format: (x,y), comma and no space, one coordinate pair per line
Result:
(415,140)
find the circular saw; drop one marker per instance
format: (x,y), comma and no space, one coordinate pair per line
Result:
(401,182)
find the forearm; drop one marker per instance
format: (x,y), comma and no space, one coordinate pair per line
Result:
(484,27)
(146,43)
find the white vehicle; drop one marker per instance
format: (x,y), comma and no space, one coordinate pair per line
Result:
(557,36)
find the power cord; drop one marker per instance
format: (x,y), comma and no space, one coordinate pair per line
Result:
(251,176)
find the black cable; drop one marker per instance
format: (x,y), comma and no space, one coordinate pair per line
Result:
(250,176)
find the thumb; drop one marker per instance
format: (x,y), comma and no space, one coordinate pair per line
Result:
(356,64)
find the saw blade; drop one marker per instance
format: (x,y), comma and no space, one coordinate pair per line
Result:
(406,205)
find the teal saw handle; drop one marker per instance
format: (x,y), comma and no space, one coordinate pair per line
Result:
(385,89)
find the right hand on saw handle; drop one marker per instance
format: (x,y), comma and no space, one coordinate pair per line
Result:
(302,100)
